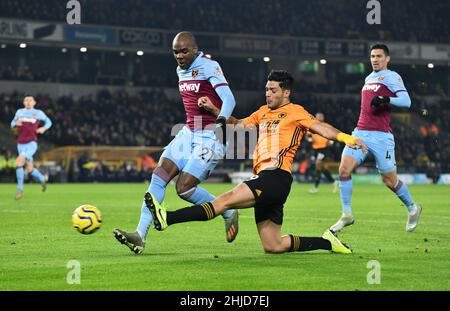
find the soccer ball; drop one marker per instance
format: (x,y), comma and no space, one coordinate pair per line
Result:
(87,219)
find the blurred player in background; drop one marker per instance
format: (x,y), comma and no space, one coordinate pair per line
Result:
(281,125)
(383,90)
(195,151)
(320,146)
(27,120)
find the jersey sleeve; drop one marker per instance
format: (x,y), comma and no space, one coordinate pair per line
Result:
(304,118)
(15,119)
(43,117)
(214,74)
(395,83)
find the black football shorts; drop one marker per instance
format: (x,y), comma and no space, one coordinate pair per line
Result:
(271,189)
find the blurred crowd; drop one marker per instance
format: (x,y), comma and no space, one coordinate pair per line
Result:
(105,118)
(146,119)
(419,80)
(401,20)
(25,73)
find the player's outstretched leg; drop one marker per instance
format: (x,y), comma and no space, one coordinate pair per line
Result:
(336,245)
(274,243)
(130,239)
(198,195)
(162,218)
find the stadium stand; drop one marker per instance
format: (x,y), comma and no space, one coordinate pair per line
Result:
(145,117)
(306,18)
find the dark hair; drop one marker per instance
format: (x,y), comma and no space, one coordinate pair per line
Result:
(283,77)
(380,46)
(27,95)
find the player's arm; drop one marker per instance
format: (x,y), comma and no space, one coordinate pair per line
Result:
(206,104)
(220,85)
(402,100)
(16,121)
(228,101)
(328,131)
(47,123)
(395,84)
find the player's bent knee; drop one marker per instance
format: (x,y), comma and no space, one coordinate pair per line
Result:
(20,161)
(162,173)
(185,192)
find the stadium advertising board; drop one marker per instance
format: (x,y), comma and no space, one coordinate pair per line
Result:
(138,37)
(435,52)
(358,49)
(444,179)
(266,45)
(30,30)
(404,50)
(96,35)
(332,48)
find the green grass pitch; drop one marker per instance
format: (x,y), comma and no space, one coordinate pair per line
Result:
(37,241)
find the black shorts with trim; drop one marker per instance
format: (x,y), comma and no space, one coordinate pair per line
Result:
(271,189)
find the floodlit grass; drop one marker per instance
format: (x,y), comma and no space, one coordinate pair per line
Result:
(38,241)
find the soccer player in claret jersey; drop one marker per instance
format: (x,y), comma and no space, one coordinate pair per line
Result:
(27,120)
(383,90)
(320,146)
(281,125)
(196,150)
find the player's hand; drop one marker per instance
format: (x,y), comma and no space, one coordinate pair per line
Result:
(41,130)
(19,122)
(205,103)
(358,144)
(379,100)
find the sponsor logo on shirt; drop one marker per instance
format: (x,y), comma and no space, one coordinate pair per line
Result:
(371,87)
(189,87)
(30,120)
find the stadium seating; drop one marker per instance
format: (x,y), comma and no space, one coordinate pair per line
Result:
(306,18)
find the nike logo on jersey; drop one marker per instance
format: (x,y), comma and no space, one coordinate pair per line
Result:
(189,87)
(371,87)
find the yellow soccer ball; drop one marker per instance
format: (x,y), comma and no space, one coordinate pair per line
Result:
(87,219)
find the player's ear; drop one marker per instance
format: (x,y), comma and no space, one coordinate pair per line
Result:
(287,93)
(388,58)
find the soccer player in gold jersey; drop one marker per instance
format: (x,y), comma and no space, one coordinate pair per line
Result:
(281,125)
